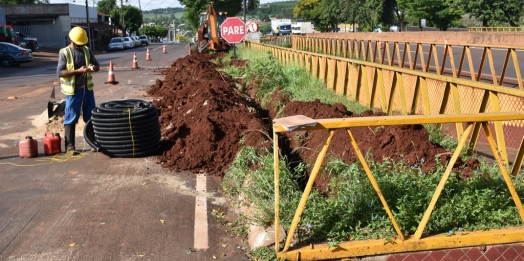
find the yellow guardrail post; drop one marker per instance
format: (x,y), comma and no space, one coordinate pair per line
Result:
(502,167)
(307,191)
(442,183)
(374,183)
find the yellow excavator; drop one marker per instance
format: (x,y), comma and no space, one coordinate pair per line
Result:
(208,37)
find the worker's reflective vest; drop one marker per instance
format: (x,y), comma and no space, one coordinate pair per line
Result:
(68,83)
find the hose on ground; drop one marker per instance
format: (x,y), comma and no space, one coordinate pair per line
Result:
(126,128)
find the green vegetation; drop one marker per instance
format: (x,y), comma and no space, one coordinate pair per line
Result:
(326,14)
(153,31)
(132,15)
(350,209)
(282,9)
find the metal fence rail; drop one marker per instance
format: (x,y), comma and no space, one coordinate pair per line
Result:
(495,29)
(476,62)
(397,90)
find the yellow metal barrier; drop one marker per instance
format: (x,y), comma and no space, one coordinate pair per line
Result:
(408,54)
(402,243)
(495,29)
(403,91)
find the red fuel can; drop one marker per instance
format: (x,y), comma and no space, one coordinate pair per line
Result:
(52,143)
(28,148)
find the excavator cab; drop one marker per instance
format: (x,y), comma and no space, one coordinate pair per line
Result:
(208,37)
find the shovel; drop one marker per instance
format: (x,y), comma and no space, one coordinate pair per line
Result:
(54,107)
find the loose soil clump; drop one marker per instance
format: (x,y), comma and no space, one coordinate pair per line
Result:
(204,117)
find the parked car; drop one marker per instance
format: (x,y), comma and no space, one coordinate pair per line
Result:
(13,55)
(138,43)
(116,43)
(26,42)
(129,43)
(144,39)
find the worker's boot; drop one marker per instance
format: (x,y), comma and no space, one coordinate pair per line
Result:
(70,139)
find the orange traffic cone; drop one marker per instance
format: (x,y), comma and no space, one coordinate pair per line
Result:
(164,50)
(135,62)
(148,56)
(111,75)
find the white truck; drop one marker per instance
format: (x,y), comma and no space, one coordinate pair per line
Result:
(280,26)
(302,28)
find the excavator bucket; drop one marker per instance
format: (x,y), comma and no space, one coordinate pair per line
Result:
(202,46)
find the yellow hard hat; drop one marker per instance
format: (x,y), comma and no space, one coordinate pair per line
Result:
(78,35)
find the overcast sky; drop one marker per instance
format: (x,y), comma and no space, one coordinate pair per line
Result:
(145,4)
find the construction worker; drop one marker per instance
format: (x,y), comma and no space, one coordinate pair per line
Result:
(75,64)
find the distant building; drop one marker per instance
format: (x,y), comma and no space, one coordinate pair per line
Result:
(50,23)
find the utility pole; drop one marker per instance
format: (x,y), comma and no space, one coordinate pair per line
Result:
(245,11)
(140,7)
(88,28)
(123,23)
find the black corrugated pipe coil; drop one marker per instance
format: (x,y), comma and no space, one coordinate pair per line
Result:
(127,128)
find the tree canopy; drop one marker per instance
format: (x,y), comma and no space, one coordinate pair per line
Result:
(492,13)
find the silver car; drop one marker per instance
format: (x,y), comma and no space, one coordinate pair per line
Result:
(129,43)
(137,41)
(116,43)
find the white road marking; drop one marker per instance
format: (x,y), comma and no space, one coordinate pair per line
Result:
(201,226)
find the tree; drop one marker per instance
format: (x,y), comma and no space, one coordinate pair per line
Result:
(490,12)
(350,11)
(106,6)
(309,10)
(386,15)
(132,18)
(330,16)
(263,17)
(400,8)
(437,13)
(153,31)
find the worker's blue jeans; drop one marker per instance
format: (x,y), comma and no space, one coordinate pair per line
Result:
(81,100)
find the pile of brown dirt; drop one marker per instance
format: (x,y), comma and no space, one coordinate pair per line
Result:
(203,117)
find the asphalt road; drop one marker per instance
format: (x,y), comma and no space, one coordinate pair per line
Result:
(92,207)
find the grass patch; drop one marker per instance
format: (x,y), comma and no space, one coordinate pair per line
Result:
(292,79)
